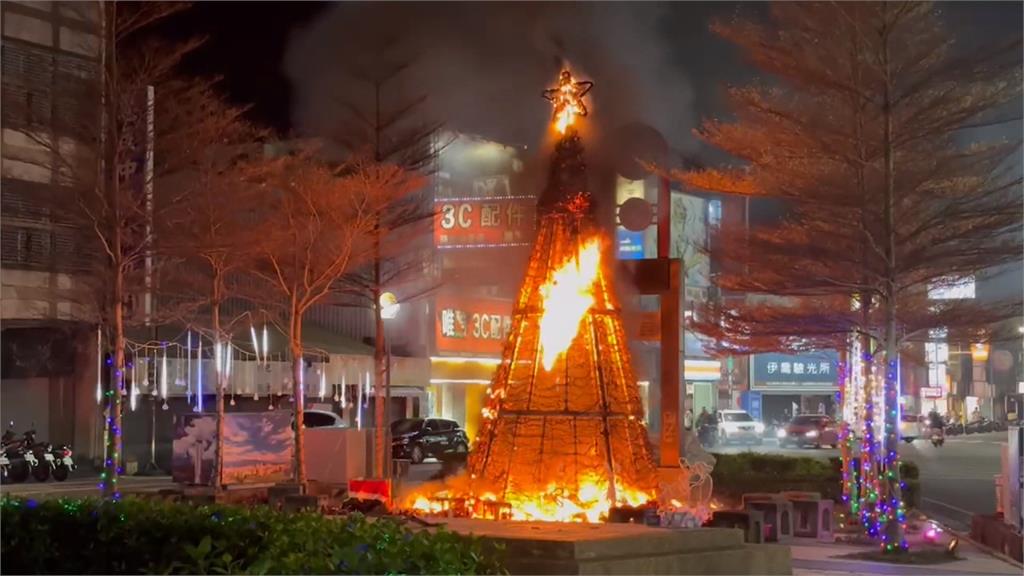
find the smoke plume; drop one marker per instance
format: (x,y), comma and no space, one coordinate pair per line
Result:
(483,65)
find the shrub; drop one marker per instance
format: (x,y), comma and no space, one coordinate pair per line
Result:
(139,537)
(737,474)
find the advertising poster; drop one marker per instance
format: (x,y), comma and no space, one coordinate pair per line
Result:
(257,448)
(194,449)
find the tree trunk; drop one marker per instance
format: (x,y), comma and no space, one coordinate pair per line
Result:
(867,497)
(298,398)
(893,539)
(845,429)
(115,443)
(380,365)
(109,183)
(379,352)
(218,471)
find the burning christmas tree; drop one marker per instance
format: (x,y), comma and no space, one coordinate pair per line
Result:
(563,436)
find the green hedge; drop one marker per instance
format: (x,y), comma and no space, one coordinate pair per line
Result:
(147,537)
(737,474)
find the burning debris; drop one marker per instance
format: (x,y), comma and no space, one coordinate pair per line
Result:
(563,437)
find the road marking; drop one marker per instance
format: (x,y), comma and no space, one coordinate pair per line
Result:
(949,506)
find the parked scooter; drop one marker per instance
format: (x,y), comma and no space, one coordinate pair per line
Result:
(20,460)
(63,465)
(979,426)
(37,455)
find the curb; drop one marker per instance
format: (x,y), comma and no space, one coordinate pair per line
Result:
(966,537)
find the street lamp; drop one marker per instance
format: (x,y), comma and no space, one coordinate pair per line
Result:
(389,308)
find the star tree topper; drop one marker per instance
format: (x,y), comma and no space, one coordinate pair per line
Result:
(567,99)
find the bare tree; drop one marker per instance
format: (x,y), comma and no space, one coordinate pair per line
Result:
(108,152)
(862,133)
(319,223)
(389,127)
(207,232)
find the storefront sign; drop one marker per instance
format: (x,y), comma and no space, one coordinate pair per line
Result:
(702,370)
(751,402)
(811,372)
(471,325)
(484,222)
(931,392)
(629,245)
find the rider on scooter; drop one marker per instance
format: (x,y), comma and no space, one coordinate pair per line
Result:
(936,425)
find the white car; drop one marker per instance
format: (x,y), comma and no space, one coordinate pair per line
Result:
(910,427)
(738,426)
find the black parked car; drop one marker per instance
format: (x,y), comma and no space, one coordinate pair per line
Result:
(418,438)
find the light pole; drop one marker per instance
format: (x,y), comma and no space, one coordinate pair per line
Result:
(389,308)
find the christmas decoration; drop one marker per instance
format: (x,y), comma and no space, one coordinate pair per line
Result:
(562,437)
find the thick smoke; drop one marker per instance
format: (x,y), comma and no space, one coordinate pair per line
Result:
(483,65)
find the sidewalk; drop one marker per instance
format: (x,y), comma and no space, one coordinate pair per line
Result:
(815,558)
(82,485)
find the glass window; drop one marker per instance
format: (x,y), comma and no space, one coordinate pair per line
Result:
(406,426)
(318,419)
(737,417)
(432,426)
(714,212)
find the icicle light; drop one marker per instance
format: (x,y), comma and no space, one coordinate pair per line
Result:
(163,375)
(199,375)
(255,343)
(266,345)
(323,381)
(188,366)
(99,365)
(342,395)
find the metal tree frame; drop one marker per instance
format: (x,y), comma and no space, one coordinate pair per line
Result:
(583,419)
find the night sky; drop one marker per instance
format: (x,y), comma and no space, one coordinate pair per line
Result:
(246,44)
(287,58)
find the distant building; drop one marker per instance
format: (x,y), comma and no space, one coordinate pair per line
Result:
(51,52)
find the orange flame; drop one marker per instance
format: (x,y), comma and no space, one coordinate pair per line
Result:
(589,503)
(569,110)
(567,99)
(567,297)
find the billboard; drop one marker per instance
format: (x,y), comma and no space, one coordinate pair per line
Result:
(470,325)
(257,448)
(484,222)
(811,372)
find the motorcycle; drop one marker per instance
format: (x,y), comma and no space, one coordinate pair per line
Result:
(708,435)
(37,455)
(979,426)
(19,459)
(937,437)
(62,462)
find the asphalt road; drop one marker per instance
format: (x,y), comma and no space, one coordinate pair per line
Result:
(957,479)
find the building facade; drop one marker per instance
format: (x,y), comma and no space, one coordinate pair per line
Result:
(51,53)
